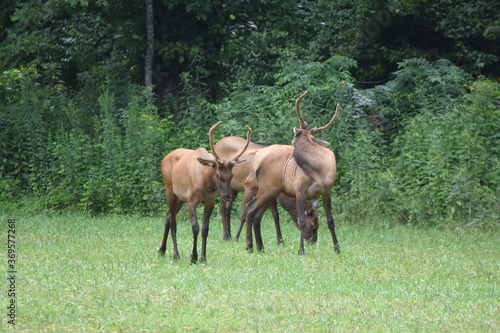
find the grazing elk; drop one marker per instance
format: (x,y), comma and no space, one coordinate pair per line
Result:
(227,147)
(305,170)
(196,177)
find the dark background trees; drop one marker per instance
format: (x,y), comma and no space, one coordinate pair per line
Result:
(417,80)
(219,39)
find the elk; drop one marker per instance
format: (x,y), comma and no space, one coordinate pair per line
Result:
(227,147)
(304,170)
(196,177)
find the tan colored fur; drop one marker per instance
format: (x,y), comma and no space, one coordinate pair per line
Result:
(195,177)
(304,170)
(228,146)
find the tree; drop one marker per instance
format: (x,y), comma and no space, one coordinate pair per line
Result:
(72,40)
(148,71)
(379,34)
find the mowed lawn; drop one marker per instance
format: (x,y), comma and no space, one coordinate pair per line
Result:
(82,273)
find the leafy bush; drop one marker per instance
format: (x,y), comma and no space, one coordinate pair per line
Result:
(448,164)
(29,114)
(432,160)
(116,169)
(47,151)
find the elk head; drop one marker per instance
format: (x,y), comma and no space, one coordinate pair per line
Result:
(303,133)
(223,169)
(311,230)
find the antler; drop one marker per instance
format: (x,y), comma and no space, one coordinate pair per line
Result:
(303,124)
(321,129)
(211,139)
(249,133)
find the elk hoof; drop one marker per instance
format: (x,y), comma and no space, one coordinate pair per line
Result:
(301,252)
(337,248)
(194,257)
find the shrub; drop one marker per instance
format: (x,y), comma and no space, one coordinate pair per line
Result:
(447,161)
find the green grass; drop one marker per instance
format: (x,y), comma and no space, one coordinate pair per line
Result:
(77,273)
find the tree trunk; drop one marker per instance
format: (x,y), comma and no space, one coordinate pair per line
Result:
(148,72)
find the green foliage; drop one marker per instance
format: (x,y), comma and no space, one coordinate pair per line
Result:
(117,168)
(432,158)
(269,110)
(429,157)
(418,84)
(419,147)
(72,38)
(65,39)
(29,115)
(448,164)
(474,27)
(260,32)
(48,152)
(378,34)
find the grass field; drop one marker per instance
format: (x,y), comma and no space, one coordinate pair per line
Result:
(78,273)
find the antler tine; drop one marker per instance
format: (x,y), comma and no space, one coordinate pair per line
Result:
(211,139)
(249,133)
(321,129)
(303,124)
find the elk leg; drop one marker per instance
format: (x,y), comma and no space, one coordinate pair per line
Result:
(301,216)
(247,196)
(196,230)
(173,227)
(255,217)
(249,220)
(163,246)
(327,203)
(207,212)
(256,229)
(223,214)
(226,207)
(263,200)
(242,222)
(276,217)
(171,224)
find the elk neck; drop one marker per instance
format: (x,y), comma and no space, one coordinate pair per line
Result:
(308,154)
(315,160)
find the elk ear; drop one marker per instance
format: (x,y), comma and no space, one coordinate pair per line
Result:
(297,132)
(315,204)
(206,162)
(320,142)
(240,161)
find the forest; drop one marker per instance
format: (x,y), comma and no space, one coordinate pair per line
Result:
(93,94)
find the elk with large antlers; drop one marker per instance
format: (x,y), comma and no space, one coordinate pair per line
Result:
(305,170)
(196,177)
(227,147)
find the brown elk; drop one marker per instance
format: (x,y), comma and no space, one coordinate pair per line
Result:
(227,147)
(196,177)
(305,170)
